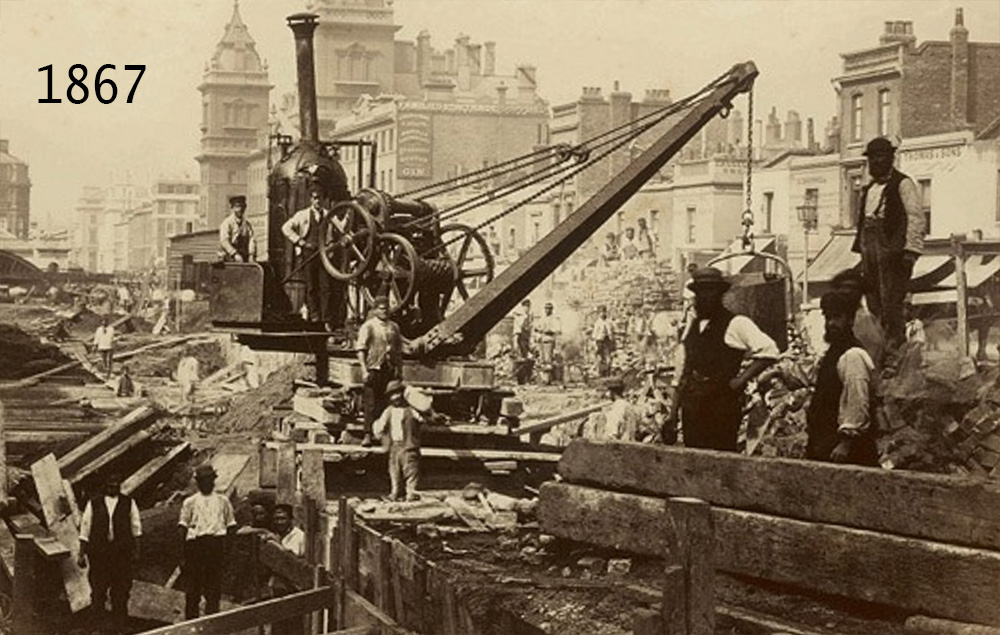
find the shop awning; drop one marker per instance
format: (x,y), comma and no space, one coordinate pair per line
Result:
(833,257)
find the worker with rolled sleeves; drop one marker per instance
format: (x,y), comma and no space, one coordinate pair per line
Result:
(236,239)
(110,528)
(206,521)
(380,353)
(399,428)
(324,295)
(710,391)
(549,328)
(890,238)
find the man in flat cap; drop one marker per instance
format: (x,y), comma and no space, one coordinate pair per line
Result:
(206,520)
(380,352)
(839,421)
(236,240)
(890,238)
(709,393)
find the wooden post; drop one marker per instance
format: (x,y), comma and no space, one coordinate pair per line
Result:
(3,461)
(961,284)
(25,621)
(287,476)
(696,550)
(267,475)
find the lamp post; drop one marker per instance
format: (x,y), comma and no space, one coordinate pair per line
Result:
(808,215)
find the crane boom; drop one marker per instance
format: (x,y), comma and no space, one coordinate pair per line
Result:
(459,332)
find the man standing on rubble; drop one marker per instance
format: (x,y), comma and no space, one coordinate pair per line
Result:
(838,421)
(380,351)
(890,238)
(236,240)
(548,327)
(709,394)
(522,330)
(603,337)
(206,520)
(104,343)
(110,528)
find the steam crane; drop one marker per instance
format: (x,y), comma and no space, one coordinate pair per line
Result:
(374,243)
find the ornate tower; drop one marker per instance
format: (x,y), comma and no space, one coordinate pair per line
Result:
(355,52)
(234,111)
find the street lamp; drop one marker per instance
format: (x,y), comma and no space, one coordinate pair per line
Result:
(809,217)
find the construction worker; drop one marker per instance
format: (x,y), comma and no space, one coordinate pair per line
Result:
(839,422)
(293,540)
(380,349)
(522,330)
(399,428)
(110,528)
(549,328)
(603,337)
(206,520)
(236,239)
(867,329)
(709,396)
(324,295)
(890,238)
(104,343)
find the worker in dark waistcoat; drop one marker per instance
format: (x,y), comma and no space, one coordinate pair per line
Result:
(839,419)
(110,528)
(709,395)
(325,300)
(890,238)
(236,239)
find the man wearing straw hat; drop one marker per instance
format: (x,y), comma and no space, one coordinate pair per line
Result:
(716,342)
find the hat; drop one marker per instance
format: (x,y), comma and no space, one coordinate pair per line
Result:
(205,470)
(238,200)
(837,303)
(382,301)
(548,305)
(394,386)
(879,145)
(707,277)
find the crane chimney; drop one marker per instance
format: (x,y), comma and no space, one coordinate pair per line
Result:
(303,25)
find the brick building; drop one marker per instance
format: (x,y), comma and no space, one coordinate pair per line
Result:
(171,210)
(15,193)
(908,91)
(234,123)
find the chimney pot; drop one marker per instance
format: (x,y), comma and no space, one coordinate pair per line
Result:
(959,17)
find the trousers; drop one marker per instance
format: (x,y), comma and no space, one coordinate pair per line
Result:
(374,393)
(404,467)
(203,561)
(711,413)
(324,295)
(111,574)
(887,274)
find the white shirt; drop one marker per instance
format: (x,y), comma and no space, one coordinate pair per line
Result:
(111,504)
(294,541)
(911,203)
(602,330)
(104,338)
(854,368)
(206,515)
(391,417)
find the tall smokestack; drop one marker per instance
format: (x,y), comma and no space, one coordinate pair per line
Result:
(303,25)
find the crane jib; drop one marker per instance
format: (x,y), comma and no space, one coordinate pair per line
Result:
(460,331)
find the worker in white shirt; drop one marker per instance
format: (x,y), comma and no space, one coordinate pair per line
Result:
(293,540)
(710,392)
(104,343)
(109,541)
(602,335)
(549,328)
(206,520)
(399,427)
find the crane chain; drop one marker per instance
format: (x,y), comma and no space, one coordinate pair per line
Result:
(748,219)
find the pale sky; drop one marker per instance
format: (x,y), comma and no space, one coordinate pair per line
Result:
(675,44)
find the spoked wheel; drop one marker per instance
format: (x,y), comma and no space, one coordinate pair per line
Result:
(348,235)
(393,272)
(471,259)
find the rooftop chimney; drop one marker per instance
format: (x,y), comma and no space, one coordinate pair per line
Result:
(959,71)
(898,31)
(303,25)
(490,58)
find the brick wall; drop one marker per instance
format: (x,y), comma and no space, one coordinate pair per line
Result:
(984,89)
(926,107)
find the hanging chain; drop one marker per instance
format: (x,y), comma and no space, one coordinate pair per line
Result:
(748,242)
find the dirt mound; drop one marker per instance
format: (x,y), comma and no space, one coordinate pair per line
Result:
(163,362)
(22,355)
(248,413)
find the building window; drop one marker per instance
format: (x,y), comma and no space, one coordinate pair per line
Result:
(883,112)
(654,223)
(389,181)
(391,140)
(925,203)
(768,211)
(856,117)
(690,225)
(856,187)
(512,239)
(536,232)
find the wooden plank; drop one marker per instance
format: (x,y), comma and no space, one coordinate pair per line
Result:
(286,564)
(923,625)
(138,419)
(268,470)
(115,452)
(941,508)
(696,557)
(246,617)
(228,468)
(358,608)
(674,599)
(547,424)
(24,618)
(151,469)
(313,476)
(7,546)
(647,622)
(59,520)
(287,476)
(335,452)
(934,578)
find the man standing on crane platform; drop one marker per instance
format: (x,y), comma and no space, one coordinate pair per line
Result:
(709,394)
(890,238)
(236,239)
(380,350)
